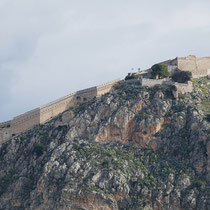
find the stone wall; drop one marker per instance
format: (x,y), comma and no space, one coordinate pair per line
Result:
(44,113)
(199,67)
(184,87)
(181,87)
(25,121)
(5,130)
(54,108)
(105,88)
(152,82)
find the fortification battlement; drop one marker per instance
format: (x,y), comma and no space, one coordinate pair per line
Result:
(198,66)
(46,112)
(60,100)
(32,112)
(5,124)
(193,57)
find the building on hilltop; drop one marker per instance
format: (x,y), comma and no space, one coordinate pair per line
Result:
(44,113)
(199,67)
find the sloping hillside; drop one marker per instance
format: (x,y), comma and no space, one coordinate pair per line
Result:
(133,148)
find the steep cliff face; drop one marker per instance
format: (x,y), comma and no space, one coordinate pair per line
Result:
(133,148)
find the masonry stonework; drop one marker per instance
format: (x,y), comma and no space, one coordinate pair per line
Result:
(44,113)
(198,66)
(152,82)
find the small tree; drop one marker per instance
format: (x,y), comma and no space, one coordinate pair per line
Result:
(181,76)
(160,71)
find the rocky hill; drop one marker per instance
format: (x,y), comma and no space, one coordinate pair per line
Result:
(133,148)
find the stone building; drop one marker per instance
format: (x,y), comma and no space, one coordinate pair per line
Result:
(198,66)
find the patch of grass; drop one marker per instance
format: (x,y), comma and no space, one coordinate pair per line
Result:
(129,159)
(181,96)
(204,89)
(206,106)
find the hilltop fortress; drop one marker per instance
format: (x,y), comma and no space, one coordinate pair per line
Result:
(198,66)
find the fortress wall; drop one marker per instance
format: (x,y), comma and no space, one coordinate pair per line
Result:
(60,105)
(5,130)
(200,73)
(187,63)
(203,63)
(25,121)
(203,67)
(152,82)
(183,87)
(44,113)
(86,94)
(5,133)
(54,108)
(107,87)
(5,124)
(198,66)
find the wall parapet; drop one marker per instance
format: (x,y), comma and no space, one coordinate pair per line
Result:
(109,83)
(184,87)
(107,87)
(57,101)
(26,114)
(181,87)
(44,113)
(6,123)
(198,66)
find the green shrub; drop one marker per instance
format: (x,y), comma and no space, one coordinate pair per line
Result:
(160,71)
(198,183)
(204,89)
(133,76)
(178,107)
(181,76)
(181,96)
(39,149)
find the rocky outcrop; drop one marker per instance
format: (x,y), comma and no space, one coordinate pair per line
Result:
(133,148)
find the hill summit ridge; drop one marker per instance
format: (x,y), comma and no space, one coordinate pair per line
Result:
(199,67)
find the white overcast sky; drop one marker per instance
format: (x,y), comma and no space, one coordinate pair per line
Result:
(50,48)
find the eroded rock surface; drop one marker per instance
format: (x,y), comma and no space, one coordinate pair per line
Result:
(134,148)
